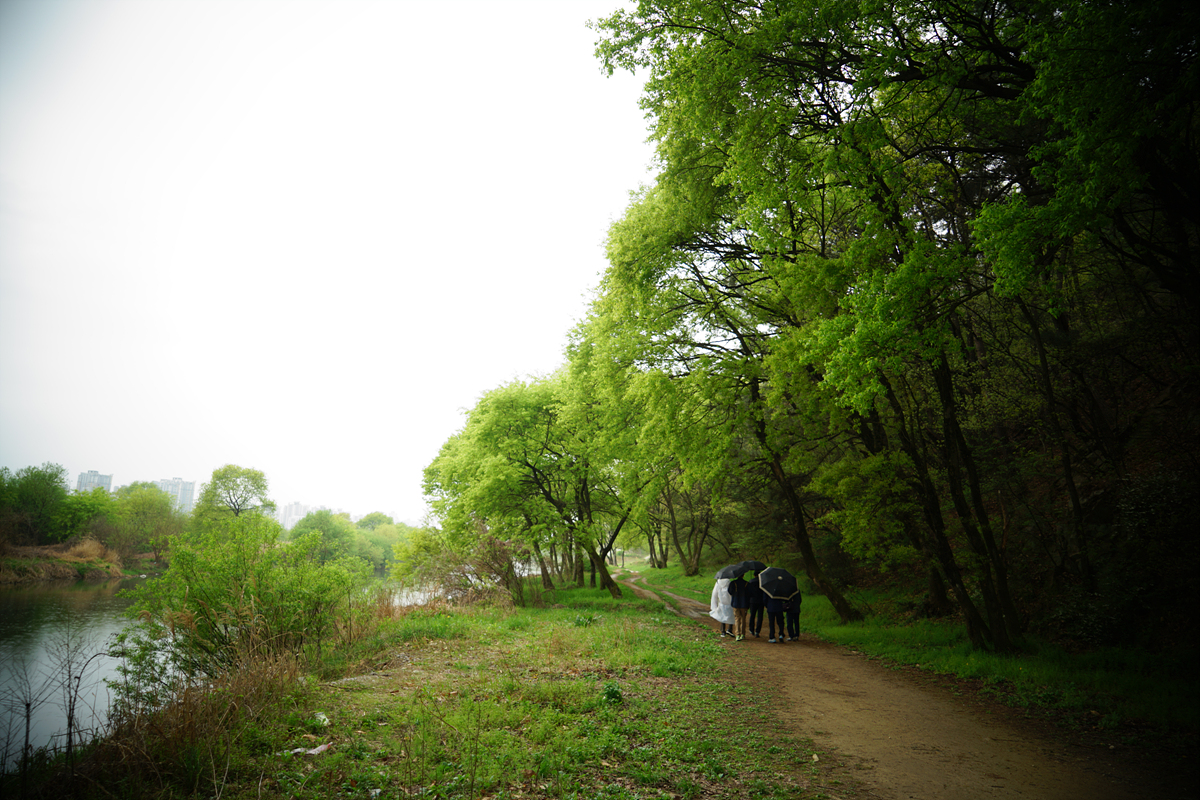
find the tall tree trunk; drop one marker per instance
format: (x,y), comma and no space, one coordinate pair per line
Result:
(937,602)
(938,549)
(812,568)
(1064,452)
(673,528)
(601,569)
(993,584)
(547,583)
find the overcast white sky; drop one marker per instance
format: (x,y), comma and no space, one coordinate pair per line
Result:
(302,237)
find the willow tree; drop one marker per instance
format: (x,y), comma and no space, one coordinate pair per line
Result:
(688,298)
(519,467)
(666,450)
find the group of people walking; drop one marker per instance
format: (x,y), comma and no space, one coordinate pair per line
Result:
(740,604)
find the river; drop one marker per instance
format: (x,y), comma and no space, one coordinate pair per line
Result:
(43,628)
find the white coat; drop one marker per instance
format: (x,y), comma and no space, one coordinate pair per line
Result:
(718,607)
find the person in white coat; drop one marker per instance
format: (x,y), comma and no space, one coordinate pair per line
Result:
(719,608)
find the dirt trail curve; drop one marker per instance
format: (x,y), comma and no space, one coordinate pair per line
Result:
(901,734)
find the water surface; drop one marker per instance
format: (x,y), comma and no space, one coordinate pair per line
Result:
(43,629)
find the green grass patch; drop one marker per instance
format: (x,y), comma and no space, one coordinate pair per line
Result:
(590,697)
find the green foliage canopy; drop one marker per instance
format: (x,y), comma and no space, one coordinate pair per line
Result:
(895,236)
(233,491)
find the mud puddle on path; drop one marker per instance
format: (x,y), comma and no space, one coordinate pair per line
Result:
(898,735)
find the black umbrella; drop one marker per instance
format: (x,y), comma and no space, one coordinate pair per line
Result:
(777,582)
(753,566)
(733,571)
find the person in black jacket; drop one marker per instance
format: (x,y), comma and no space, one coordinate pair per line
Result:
(791,608)
(739,598)
(775,608)
(757,598)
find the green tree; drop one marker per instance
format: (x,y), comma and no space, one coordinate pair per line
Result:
(234,591)
(377,544)
(34,500)
(336,534)
(233,491)
(83,513)
(929,241)
(518,471)
(373,520)
(419,558)
(147,518)
(706,314)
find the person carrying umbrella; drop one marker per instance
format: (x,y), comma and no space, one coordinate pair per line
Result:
(780,587)
(791,608)
(739,599)
(719,608)
(757,600)
(775,608)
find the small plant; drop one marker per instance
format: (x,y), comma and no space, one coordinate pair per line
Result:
(612,693)
(584,620)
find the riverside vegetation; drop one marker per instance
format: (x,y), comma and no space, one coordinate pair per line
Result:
(574,694)
(85,559)
(585,696)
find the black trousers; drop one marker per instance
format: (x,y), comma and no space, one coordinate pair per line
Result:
(775,618)
(756,616)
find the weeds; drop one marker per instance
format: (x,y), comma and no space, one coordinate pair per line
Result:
(446,702)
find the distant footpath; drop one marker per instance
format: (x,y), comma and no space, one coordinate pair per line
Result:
(83,561)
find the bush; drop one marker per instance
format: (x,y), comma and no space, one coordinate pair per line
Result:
(233,590)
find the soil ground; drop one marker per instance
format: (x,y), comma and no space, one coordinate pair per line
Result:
(896,734)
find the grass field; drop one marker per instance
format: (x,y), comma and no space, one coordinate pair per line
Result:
(586,698)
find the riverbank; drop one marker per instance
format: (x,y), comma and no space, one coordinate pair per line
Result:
(587,696)
(83,561)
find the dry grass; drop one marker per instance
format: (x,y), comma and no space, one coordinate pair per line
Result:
(189,744)
(60,562)
(91,550)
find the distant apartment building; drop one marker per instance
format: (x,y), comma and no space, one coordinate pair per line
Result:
(93,480)
(183,492)
(292,513)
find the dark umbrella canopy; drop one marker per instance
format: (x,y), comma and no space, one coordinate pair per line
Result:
(753,566)
(777,582)
(733,571)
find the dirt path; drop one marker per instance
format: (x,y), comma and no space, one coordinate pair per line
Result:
(899,734)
